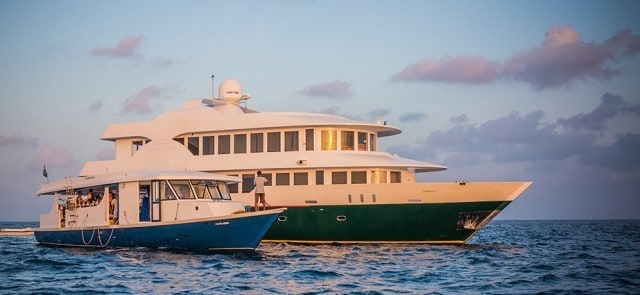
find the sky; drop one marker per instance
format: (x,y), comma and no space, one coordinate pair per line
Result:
(542,91)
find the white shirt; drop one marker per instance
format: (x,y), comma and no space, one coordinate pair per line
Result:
(259,183)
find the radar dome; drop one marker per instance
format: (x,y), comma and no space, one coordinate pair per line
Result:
(230,91)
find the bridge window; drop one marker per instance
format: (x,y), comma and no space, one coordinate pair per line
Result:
(309,139)
(290,141)
(347,140)
(329,140)
(362,141)
(372,142)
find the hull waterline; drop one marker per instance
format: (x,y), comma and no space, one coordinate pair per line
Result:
(232,233)
(442,223)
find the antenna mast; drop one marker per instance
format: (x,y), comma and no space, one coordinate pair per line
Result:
(213,87)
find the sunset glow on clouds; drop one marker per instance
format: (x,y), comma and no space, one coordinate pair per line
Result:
(561,59)
(127,47)
(335,89)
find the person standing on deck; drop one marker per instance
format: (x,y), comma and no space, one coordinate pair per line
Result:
(259,183)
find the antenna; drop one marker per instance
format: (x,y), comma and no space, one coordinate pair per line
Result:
(213,87)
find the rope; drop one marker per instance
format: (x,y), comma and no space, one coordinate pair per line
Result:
(93,232)
(109,240)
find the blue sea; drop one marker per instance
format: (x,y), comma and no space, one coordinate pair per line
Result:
(506,257)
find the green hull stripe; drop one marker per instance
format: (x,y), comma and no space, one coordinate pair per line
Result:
(383,223)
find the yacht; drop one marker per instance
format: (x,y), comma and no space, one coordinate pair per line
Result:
(327,170)
(151,208)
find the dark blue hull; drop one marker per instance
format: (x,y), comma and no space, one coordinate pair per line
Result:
(234,233)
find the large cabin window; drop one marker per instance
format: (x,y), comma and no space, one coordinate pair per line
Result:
(346,140)
(282,178)
(193,144)
(166,193)
(240,143)
(183,189)
(257,142)
(329,140)
(395,177)
(362,141)
(224,144)
(300,178)
(273,142)
(208,144)
(378,176)
(224,191)
(290,141)
(309,139)
(339,177)
(200,187)
(179,140)
(358,177)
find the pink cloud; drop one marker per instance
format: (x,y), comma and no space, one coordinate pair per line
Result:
(460,69)
(52,156)
(18,140)
(140,102)
(335,89)
(560,60)
(126,48)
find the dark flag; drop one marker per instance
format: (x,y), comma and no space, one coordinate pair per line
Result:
(44,172)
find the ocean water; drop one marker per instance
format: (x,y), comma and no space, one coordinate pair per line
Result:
(506,257)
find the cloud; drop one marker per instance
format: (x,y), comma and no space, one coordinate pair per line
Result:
(126,48)
(96,106)
(378,113)
(622,155)
(140,102)
(52,156)
(16,139)
(560,60)
(335,89)
(460,69)
(411,117)
(516,138)
(610,106)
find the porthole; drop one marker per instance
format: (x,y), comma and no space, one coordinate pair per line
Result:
(282,218)
(341,218)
